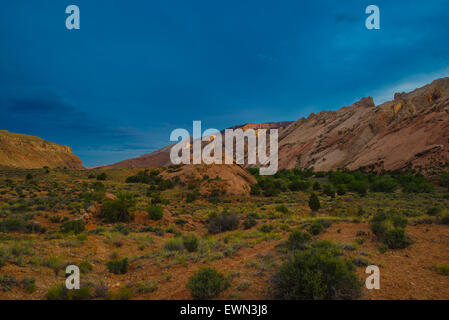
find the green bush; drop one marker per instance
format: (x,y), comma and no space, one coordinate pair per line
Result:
(384,184)
(315,274)
(124,293)
(300,185)
(207,283)
(434,211)
(222,222)
(249,222)
(298,240)
(444,179)
(118,266)
(85,267)
(316,227)
(191,196)
(28,284)
(444,219)
(191,242)
(16,223)
(390,229)
(314,202)
(118,210)
(359,186)
(155,212)
(328,190)
(342,189)
(174,244)
(75,226)
(282,208)
(60,292)
(101,176)
(255,190)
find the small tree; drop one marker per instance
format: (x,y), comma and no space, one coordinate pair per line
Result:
(314,202)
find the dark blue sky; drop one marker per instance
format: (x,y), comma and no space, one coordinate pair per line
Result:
(136,70)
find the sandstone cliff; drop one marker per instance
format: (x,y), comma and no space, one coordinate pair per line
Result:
(23,151)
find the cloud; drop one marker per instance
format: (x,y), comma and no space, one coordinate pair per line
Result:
(52,115)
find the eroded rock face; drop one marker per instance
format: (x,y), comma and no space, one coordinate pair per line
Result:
(410,130)
(23,151)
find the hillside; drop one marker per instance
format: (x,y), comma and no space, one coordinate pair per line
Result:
(24,151)
(412,130)
(161,157)
(409,131)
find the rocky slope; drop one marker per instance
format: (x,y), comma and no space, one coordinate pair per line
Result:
(410,131)
(23,151)
(161,157)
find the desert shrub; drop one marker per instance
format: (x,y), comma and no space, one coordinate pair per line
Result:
(147,287)
(145,177)
(118,266)
(75,226)
(314,202)
(255,190)
(13,224)
(85,267)
(60,292)
(298,240)
(341,189)
(315,274)
(316,227)
(7,282)
(28,284)
(359,186)
(395,238)
(300,185)
(191,196)
(271,187)
(266,228)
(443,269)
(444,179)
(16,223)
(55,219)
(55,263)
(124,293)
(191,242)
(155,212)
(222,222)
(249,222)
(415,184)
(100,289)
(338,177)
(207,283)
(444,219)
(328,190)
(123,229)
(282,208)
(118,210)
(390,229)
(384,184)
(316,186)
(174,244)
(102,176)
(434,211)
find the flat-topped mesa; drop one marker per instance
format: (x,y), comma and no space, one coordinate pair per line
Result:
(29,152)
